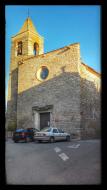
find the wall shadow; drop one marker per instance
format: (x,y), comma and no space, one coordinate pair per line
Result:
(75,101)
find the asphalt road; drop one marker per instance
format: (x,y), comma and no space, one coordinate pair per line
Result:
(75,162)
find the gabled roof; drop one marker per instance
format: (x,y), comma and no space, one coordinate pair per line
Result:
(66,48)
(91,70)
(28,25)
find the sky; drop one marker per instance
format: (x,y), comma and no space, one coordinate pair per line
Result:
(60,26)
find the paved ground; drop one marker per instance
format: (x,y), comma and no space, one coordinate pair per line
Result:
(75,162)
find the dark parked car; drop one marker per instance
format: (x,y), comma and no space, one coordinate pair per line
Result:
(24,134)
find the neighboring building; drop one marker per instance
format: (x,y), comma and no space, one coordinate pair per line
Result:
(53,88)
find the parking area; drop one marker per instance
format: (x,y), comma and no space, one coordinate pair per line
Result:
(75,162)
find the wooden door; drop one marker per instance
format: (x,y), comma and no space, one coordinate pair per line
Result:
(44,120)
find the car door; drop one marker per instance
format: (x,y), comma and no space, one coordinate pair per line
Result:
(56,134)
(61,137)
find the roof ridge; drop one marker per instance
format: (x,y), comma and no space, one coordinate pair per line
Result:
(91,69)
(43,55)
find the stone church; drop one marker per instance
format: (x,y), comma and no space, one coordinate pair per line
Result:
(51,89)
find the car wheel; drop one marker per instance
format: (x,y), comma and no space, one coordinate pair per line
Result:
(52,140)
(68,138)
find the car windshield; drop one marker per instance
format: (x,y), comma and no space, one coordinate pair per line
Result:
(46,130)
(36,130)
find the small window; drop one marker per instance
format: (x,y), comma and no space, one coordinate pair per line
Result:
(55,131)
(19,51)
(42,73)
(36,49)
(34,52)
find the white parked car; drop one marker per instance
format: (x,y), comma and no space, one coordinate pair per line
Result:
(51,134)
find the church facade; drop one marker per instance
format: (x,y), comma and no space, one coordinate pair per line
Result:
(51,89)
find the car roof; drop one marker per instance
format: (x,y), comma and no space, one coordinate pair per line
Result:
(20,130)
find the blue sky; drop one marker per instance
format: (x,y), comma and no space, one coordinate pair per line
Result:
(60,26)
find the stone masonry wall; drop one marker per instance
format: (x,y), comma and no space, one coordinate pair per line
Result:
(90,104)
(11,115)
(61,89)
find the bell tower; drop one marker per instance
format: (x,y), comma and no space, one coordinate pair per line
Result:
(26,43)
